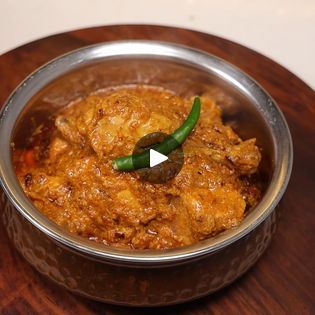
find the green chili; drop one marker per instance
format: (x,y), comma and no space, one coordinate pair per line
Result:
(170,143)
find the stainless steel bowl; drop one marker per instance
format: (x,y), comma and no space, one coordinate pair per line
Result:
(134,277)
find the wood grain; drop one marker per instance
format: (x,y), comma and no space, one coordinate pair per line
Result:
(282,282)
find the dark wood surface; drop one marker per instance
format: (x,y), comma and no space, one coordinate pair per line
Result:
(283,280)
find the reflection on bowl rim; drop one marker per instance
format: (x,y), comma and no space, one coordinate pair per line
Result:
(281,137)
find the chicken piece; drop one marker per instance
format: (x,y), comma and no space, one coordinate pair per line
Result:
(68,129)
(120,133)
(49,188)
(87,119)
(57,147)
(245,156)
(129,207)
(105,136)
(213,211)
(156,123)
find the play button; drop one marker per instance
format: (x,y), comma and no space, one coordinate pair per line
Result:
(162,168)
(156,158)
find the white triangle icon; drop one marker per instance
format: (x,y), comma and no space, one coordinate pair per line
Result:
(156,158)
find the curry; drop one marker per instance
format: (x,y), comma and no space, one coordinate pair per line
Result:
(68,172)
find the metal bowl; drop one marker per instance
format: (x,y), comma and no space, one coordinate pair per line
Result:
(135,277)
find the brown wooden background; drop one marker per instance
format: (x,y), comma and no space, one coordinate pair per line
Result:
(282,282)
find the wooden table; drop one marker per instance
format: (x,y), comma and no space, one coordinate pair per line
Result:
(283,280)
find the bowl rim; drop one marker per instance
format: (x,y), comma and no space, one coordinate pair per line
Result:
(279,130)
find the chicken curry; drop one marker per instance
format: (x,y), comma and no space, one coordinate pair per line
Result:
(68,174)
